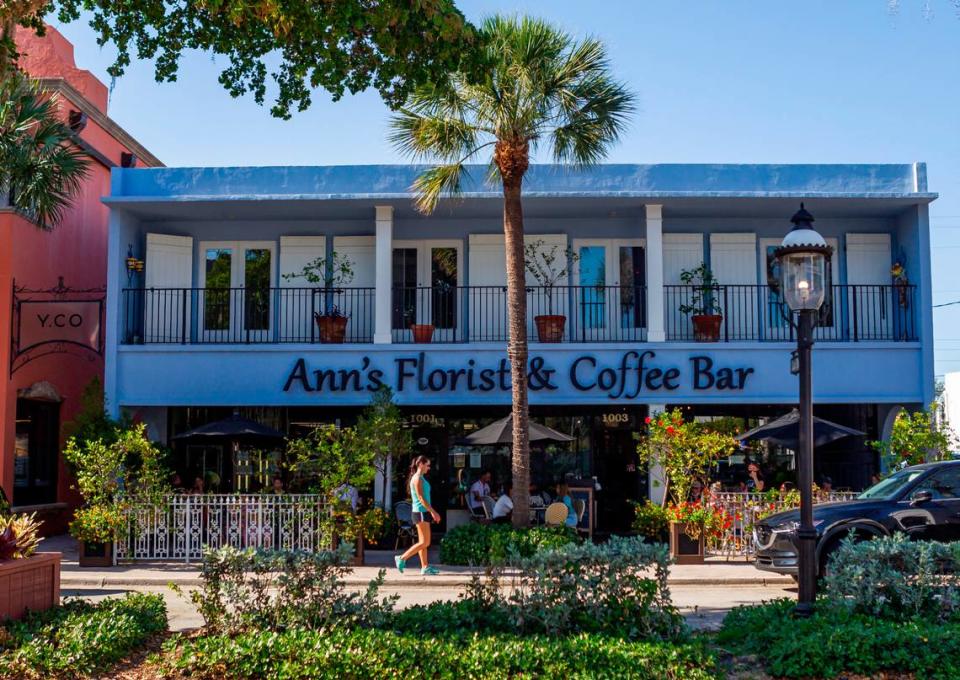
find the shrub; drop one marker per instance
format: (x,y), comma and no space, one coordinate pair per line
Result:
(19,536)
(618,588)
(381,654)
(652,521)
(483,544)
(273,590)
(80,638)
(836,642)
(894,577)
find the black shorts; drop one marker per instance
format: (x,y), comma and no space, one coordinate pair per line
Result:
(422,517)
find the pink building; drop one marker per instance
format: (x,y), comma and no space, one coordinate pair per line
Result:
(52,290)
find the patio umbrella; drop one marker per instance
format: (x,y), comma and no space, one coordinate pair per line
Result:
(785,431)
(233,427)
(501,432)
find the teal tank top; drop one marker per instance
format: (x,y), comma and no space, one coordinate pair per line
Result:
(417,505)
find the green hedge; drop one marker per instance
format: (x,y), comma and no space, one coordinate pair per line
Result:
(836,642)
(80,638)
(484,544)
(380,654)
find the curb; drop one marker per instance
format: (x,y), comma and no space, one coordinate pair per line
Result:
(413,582)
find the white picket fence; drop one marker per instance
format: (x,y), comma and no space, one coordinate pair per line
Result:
(185,525)
(745,510)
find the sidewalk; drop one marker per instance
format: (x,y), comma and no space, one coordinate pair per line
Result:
(146,574)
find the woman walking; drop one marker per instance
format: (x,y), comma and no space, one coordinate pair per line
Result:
(423,514)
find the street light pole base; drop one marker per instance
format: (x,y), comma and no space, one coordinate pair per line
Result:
(803,610)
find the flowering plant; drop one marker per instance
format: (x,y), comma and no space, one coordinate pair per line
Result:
(685,450)
(699,518)
(98,523)
(898,272)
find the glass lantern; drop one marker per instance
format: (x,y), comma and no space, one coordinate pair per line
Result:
(803,258)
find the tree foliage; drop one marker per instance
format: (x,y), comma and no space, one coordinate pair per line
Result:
(915,438)
(685,450)
(299,45)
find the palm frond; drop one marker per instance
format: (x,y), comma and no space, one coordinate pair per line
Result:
(436,182)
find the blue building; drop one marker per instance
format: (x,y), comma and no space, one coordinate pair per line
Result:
(222,319)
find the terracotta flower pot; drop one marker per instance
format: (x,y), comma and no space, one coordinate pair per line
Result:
(706,327)
(422,332)
(550,327)
(333,329)
(683,549)
(96,554)
(32,585)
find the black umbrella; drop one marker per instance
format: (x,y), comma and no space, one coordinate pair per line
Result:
(501,432)
(785,431)
(233,427)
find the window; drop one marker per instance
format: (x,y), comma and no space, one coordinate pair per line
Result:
(36,452)
(943,485)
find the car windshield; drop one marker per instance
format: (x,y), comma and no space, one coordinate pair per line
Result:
(892,485)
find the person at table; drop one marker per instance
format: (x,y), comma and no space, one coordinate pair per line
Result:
(503,508)
(563,496)
(755,481)
(478,490)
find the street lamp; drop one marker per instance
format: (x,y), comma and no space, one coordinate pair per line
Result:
(803,258)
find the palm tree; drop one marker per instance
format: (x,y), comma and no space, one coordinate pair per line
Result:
(41,170)
(541,87)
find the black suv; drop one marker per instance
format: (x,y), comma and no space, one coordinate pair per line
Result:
(923,501)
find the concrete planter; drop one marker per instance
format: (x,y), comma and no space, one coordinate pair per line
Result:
(32,584)
(683,549)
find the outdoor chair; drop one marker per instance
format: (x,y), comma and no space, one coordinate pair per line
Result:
(403,511)
(556,515)
(488,504)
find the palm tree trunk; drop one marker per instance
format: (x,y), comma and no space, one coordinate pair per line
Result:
(512,160)
(7,47)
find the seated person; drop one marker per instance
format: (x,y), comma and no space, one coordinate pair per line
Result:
(478,490)
(503,509)
(563,496)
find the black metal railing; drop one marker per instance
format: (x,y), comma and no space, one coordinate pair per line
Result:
(855,313)
(852,313)
(479,313)
(242,315)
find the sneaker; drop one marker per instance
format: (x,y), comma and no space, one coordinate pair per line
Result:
(429,571)
(400,562)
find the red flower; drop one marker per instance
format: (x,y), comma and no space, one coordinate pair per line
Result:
(670,429)
(647,420)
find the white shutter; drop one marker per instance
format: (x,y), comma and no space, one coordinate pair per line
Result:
(168,278)
(488,278)
(680,252)
(733,261)
(357,300)
(872,305)
(298,301)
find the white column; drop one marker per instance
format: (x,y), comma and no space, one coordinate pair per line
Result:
(654,252)
(382,333)
(656,475)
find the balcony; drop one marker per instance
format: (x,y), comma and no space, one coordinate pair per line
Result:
(464,314)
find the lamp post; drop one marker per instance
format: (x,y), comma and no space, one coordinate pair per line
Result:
(803,257)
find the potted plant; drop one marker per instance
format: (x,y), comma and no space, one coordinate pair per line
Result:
(703,306)
(333,272)
(96,528)
(422,332)
(547,267)
(686,451)
(901,282)
(117,468)
(29,581)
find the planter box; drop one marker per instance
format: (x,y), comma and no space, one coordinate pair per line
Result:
(96,554)
(32,584)
(683,549)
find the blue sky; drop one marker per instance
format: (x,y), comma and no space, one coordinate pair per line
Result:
(732,81)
